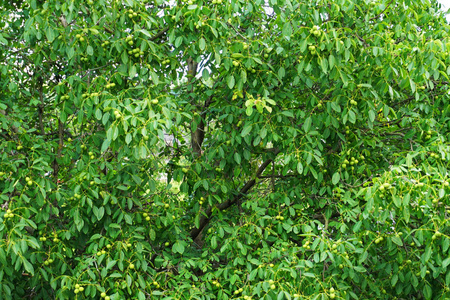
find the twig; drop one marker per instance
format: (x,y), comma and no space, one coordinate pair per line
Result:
(206,217)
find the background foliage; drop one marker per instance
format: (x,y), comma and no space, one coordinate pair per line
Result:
(224,149)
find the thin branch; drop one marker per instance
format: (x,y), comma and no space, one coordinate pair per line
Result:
(206,217)
(41,106)
(376,17)
(159,34)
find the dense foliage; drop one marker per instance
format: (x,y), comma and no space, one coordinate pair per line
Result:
(224,149)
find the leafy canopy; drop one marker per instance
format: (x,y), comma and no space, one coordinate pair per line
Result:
(224,149)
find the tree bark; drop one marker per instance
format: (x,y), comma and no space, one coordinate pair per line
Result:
(197,135)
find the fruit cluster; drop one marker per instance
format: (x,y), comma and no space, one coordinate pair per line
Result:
(110,85)
(86,95)
(78,289)
(129,40)
(29,181)
(315,31)
(436,235)
(117,114)
(48,262)
(136,52)
(383,188)
(156,284)
(132,14)
(104,44)
(79,37)
(9,214)
(379,240)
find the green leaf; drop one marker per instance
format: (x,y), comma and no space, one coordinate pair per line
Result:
(237,158)
(281,72)
(230,81)
(427,292)
(178,41)
(307,124)
(28,266)
(397,240)
(287,30)
(106,143)
(324,65)
(336,177)
(178,247)
(406,199)
(50,34)
(257,60)
(128,138)
(132,72)
(394,279)
(360,269)
(331,61)
(352,117)
(202,44)
(90,50)
(249,111)
(445,262)
(427,255)
(246,130)
(205,74)
(299,168)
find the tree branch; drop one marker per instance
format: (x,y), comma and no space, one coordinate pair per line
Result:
(204,220)
(159,34)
